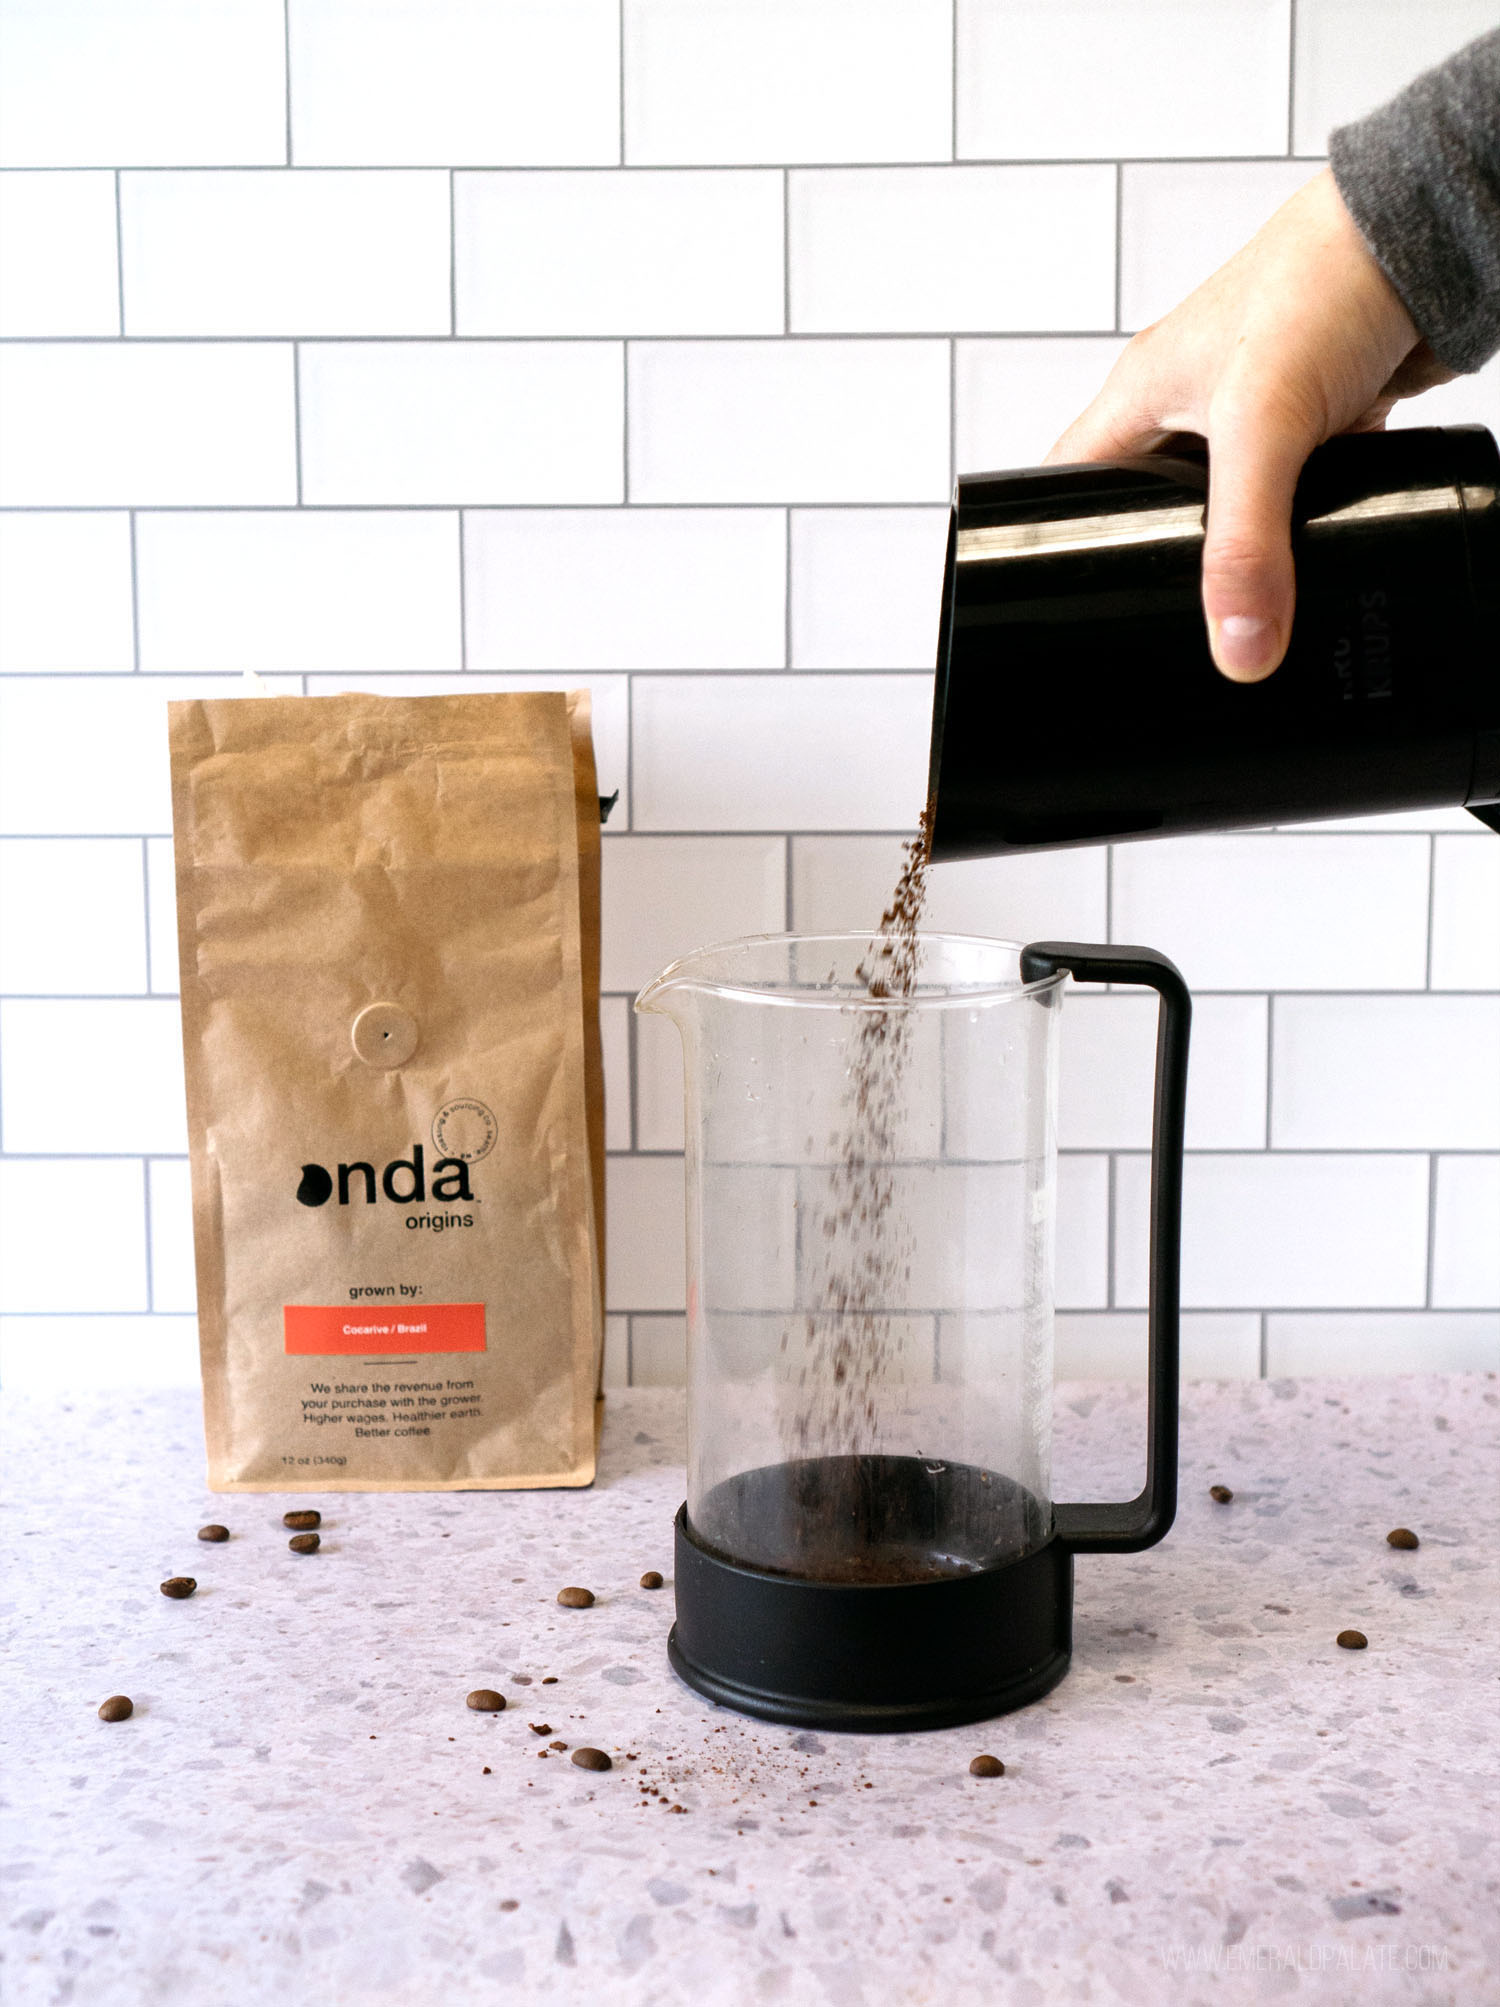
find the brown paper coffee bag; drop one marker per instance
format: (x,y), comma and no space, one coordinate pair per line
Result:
(388,915)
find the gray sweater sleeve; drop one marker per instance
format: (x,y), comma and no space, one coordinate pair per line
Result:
(1421,178)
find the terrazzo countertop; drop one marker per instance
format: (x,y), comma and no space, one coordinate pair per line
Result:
(1216,1804)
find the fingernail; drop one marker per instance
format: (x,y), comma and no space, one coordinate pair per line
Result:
(1244,642)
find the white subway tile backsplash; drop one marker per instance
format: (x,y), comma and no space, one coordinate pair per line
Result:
(294,253)
(425,422)
(1081,1280)
(173,1281)
(1152,77)
(646,1240)
(60,274)
(72,1236)
(1322,1231)
(101,425)
(454,82)
(616,1353)
(660,1121)
(866,587)
(1279,912)
(841,882)
(636,252)
(1111,1345)
(1179,223)
(917,250)
(1354,54)
(762,752)
(1466,1234)
(609,714)
(72,917)
(658,1351)
(65,593)
(1013,399)
(614,1030)
(161,916)
(1106,1073)
(1418,1072)
(343,593)
(63,1354)
(789,421)
(625,588)
(664,896)
(88,757)
(108,1072)
(143,83)
(773,80)
(1466,913)
(1423,1342)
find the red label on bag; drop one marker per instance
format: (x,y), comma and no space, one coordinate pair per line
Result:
(435,1327)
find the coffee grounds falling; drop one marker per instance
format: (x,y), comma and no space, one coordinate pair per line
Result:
(867,1251)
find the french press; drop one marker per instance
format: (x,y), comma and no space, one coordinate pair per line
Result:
(869,1539)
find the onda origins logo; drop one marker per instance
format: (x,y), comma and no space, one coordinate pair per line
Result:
(450,1181)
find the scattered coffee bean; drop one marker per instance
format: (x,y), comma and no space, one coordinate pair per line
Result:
(485,1700)
(550,1680)
(486,1771)
(119,1707)
(178,1586)
(557,1745)
(1220,1493)
(1352,1641)
(520,1679)
(651,1580)
(592,1759)
(1402,1536)
(986,1766)
(540,1727)
(305,1543)
(575,1599)
(213,1532)
(510,1903)
(302,1522)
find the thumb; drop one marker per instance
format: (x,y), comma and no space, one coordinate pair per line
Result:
(1249,587)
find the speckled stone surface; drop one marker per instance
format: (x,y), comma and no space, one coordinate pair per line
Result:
(1217,1804)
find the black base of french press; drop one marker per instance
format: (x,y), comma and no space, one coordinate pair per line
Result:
(872,1657)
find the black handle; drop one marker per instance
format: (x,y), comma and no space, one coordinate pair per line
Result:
(1141,1522)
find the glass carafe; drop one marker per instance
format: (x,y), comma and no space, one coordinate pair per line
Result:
(869,1537)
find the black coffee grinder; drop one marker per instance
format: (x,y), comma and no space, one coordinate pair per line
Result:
(1077,701)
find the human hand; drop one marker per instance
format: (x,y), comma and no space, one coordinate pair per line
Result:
(1298,337)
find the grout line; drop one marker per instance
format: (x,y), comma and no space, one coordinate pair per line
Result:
(1264,1341)
(625,424)
(1119,236)
(952,417)
(286,61)
(786,251)
(630,753)
(1431,903)
(1291,78)
(135,603)
(1109,893)
(620,32)
(629,1333)
(463,600)
(726,167)
(953,81)
(146,909)
(1110,1248)
(786,885)
(150,1264)
(632,1082)
(889,337)
(786,642)
(1270,1060)
(297,414)
(1432,1178)
(452,255)
(119,253)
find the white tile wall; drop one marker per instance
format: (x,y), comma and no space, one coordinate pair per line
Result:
(151,424)
(1154,77)
(919,249)
(772,80)
(626,588)
(46,623)
(789,421)
(299,590)
(638,252)
(429,422)
(60,274)
(285,254)
(143,83)
(511,344)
